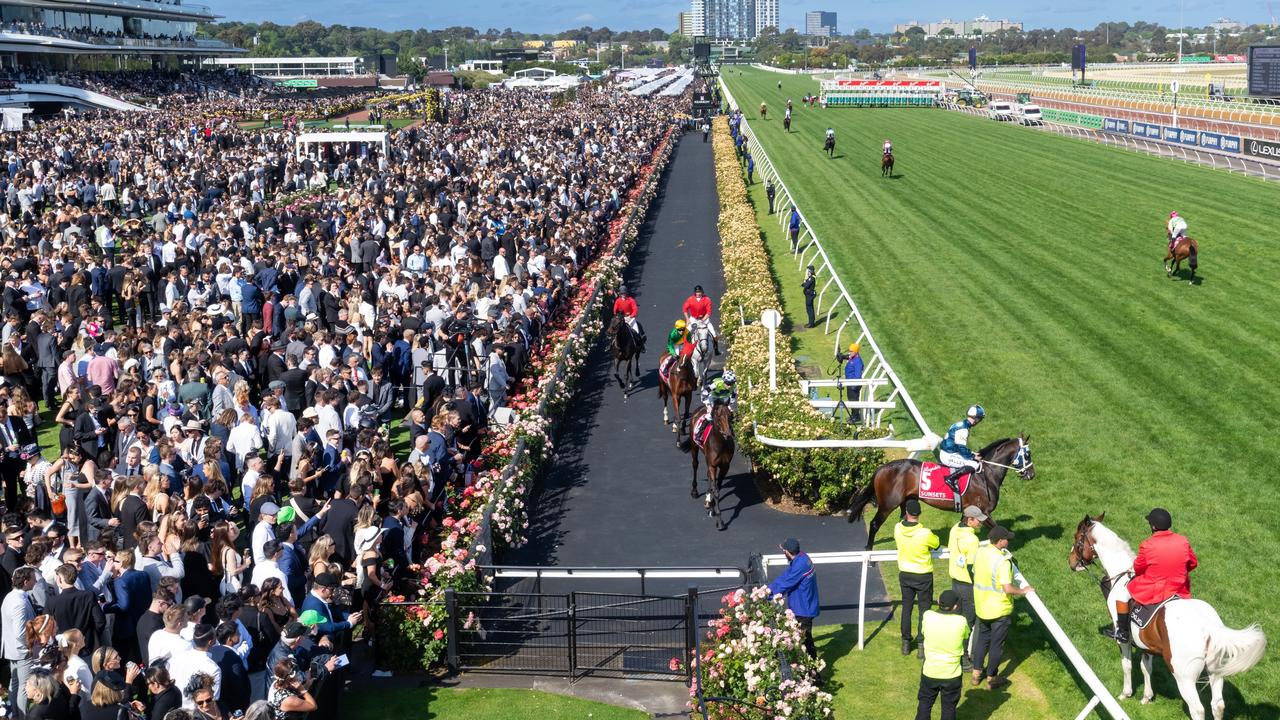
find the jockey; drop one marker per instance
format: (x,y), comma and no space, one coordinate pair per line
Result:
(888,146)
(1161,570)
(954,450)
(1177,227)
(697,307)
(788,103)
(831,134)
(626,305)
(678,340)
(722,390)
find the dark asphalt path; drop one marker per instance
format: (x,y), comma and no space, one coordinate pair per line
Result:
(619,493)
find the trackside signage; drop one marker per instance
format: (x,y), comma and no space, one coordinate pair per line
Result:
(1262,149)
(1218,141)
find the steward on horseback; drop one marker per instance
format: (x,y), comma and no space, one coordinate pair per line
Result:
(954,450)
(1161,570)
(1177,227)
(626,306)
(678,340)
(697,307)
(722,390)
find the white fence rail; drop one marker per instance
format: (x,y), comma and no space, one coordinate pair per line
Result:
(867,558)
(883,384)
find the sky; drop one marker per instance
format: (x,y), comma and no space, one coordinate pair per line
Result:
(549,16)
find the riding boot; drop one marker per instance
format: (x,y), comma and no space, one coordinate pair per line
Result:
(953,480)
(1121,633)
(715,342)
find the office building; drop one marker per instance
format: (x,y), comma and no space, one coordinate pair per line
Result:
(684,24)
(981,25)
(697,18)
(766,15)
(820,23)
(732,19)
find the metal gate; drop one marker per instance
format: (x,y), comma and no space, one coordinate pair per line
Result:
(572,635)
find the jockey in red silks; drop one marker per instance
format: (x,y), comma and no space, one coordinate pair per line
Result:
(698,307)
(1161,570)
(626,305)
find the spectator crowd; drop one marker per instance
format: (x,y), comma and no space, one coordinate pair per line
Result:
(239,387)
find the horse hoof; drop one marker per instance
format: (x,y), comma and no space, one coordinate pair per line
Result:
(1124,696)
(1146,700)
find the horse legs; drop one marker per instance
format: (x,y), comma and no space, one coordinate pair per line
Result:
(876,522)
(719,475)
(1148,692)
(1126,668)
(693,453)
(1187,673)
(1216,703)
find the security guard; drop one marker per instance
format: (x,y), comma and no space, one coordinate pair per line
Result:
(810,287)
(943,635)
(962,546)
(915,568)
(993,588)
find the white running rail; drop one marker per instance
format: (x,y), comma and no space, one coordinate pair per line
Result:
(831,295)
(866,558)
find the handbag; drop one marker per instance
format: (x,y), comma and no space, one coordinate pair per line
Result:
(59,504)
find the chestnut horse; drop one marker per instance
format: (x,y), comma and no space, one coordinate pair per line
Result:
(718,450)
(898,480)
(886,165)
(626,353)
(1184,248)
(678,386)
(1187,633)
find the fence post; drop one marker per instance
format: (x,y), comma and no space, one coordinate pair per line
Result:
(573,634)
(690,629)
(451,628)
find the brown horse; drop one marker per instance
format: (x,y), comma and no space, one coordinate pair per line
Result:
(829,146)
(786,123)
(896,481)
(764,111)
(886,165)
(678,386)
(626,353)
(718,450)
(1184,248)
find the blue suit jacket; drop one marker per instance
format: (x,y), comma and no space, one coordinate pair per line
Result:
(132,594)
(294,571)
(335,621)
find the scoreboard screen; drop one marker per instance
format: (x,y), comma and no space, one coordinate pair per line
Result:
(1264,70)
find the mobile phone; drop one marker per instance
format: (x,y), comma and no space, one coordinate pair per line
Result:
(342,661)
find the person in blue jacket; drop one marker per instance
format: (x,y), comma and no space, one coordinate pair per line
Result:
(800,585)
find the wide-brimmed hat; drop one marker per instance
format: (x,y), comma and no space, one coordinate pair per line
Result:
(194,425)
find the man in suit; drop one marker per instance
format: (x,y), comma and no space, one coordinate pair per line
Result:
(394,540)
(295,385)
(95,512)
(340,523)
(79,609)
(91,431)
(236,688)
(290,562)
(381,394)
(133,510)
(131,592)
(126,434)
(15,611)
(336,623)
(14,436)
(275,364)
(223,399)
(47,363)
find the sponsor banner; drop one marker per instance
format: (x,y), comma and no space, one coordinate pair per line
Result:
(298,83)
(1230,143)
(1262,149)
(1229,58)
(1196,59)
(1111,125)
(1122,126)
(1140,128)
(1155,132)
(890,83)
(1190,137)
(1170,134)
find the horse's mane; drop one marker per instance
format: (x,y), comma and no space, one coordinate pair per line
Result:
(1103,535)
(986,451)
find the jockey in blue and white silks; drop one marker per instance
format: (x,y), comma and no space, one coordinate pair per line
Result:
(954,450)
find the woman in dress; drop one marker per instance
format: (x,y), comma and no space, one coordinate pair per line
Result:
(288,695)
(227,563)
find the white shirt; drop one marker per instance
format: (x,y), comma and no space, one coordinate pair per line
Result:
(500,268)
(268,569)
(79,669)
(245,440)
(164,643)
(327,419)
(183,665)
(262,532)
(279,426)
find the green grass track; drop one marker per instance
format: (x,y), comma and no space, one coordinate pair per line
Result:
(1021,270)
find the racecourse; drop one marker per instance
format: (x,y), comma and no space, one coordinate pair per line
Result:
(1021,270)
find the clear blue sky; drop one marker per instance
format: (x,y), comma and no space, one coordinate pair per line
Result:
(879,15)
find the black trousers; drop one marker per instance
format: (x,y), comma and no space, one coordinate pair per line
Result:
(770,204)
(930,689)
(808,308)
(806,624)
(965,591)
(917,590)
(988,644)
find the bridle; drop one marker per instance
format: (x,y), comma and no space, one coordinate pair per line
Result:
(1021,462)
(1084,553)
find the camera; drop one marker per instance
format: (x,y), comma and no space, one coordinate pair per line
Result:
(842,356)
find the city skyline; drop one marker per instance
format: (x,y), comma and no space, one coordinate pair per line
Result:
(877,15)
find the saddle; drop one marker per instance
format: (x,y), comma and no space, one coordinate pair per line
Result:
(664,367)
(1141,615)
(701,429)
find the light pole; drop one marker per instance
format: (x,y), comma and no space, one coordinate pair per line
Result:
(1181,27)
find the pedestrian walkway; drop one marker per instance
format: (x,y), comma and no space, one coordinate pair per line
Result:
(618,494)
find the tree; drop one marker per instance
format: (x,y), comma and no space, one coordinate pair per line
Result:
(947,32)
(862,34)
(1159,41)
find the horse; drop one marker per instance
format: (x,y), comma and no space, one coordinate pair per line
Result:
(678,385)
(829,147)
(700,338)
(886,165)
(626,352)
(1187,633)
(896,481)
(1184,248)
(786,123)
(764,111)
(718,450)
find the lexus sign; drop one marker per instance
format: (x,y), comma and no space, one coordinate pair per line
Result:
(1262,149)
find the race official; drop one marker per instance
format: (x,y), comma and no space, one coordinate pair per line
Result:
(962,546)
(943,636)
(800,586)
(993,592)
(915,568)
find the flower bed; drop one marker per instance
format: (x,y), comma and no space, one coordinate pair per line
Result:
(747,649)
(491,514)
(825,479)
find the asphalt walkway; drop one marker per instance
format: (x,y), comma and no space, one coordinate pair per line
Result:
(618,494)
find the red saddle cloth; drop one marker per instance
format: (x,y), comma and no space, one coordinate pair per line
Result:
(664,367)
(933,482)
(701,429)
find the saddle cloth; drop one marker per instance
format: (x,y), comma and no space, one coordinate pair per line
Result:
(1141,615)
(933,482)
(664,367)
(701,429)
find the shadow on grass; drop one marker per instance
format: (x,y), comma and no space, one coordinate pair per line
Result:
(836,643)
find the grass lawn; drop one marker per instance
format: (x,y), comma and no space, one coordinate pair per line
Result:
(453,704)
(1022,270)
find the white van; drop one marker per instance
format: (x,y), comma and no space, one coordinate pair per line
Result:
(1029,114)
(1001,110)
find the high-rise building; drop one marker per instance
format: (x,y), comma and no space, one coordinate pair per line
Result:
(730,19)
(697,18)
(766,15)
(982,25)
(684,24)
(820,23)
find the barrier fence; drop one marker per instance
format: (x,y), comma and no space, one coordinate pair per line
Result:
(867,558)
(884,390)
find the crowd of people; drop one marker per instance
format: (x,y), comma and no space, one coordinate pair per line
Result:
(214,336)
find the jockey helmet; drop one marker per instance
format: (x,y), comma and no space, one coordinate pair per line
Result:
(854,348)
(698,289)
(729,377)
(1173,214)
(977,412)
(622,290)
(680,324)
(1160,519)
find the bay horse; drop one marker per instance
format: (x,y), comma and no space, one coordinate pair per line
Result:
(626,352)
(786,123)
(718,452)
(886,165)
(1184,248)
(700,338)
(764,111)
(1187,633)
(896,481)
(829,147)
(678,386)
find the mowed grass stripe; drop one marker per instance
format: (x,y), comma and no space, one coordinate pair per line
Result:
(1021,269)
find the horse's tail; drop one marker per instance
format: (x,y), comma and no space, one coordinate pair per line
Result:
(860,500)
(1231,652)
(1192,251)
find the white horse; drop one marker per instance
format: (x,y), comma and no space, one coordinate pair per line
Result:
(700,338)
(1193,640)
